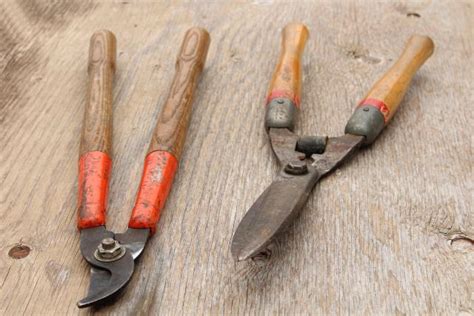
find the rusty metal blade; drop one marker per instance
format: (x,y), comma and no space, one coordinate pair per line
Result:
(271,213)
(283,199)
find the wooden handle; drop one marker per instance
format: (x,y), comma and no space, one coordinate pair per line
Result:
(167,142)
(286,80)
(173,122)
(391,88)
(382,101)
(97,125)
(285,88)
(96,141)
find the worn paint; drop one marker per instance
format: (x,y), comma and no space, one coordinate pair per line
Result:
(378,104)
(94,171)
(158,173)
(284,94)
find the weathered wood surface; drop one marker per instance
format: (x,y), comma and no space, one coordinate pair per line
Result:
(389,233)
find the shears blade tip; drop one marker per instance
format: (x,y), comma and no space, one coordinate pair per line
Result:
(107,281)
(242,250)
(242,257)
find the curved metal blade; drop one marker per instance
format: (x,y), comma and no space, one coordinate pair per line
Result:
(271,213)
(107,279)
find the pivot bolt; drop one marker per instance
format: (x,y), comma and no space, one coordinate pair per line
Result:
(109,250)
(296,167)
(108,243)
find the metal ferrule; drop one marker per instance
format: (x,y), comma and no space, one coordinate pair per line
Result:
(280,113)
(366,121)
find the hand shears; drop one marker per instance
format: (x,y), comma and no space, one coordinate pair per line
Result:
(305,160)
(112,255)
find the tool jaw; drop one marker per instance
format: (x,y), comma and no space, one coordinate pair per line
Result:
(282,201)
(134,240)
(284,143)
(323,153)
(110,274)
(338,150)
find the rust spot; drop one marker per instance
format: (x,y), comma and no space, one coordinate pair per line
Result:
(19,251)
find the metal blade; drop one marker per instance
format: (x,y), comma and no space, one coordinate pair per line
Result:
(271,213)
(283,199)
(107,279)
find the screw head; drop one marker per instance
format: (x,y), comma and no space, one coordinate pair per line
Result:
(296,167)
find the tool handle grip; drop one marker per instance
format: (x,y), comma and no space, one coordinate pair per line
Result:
(285,88)
(96,139)
(382,101)
(97,125)
(172,124)
(170,132)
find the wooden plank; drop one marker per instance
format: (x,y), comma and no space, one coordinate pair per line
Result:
(389,233)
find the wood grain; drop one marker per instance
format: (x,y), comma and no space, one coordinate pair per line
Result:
(172,125)
(391,88)
(287,77)
(389,233)
(97,126)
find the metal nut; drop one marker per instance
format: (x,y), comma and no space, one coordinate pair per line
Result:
(109,250)
(296,167)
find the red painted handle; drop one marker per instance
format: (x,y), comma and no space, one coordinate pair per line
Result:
(158,174)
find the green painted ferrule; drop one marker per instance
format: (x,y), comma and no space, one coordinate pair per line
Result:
(366,121)
(280,113)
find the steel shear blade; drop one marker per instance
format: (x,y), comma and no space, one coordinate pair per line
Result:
(109,276)
(279,204)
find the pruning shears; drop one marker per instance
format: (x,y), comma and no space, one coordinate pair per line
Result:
(112,255)
(305,160)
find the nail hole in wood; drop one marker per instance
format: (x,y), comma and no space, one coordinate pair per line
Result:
(19,251)
(413,14)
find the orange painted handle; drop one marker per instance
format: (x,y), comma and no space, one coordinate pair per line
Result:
(96,139)
(158,174)
(286,80)
(94,171)
(388,92)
